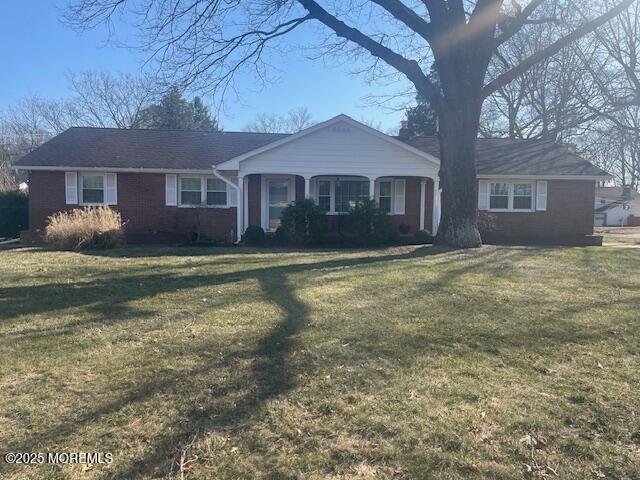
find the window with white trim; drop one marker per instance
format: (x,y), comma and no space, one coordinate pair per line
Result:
(499,196)
(202,191)
(92,189)
(385,196)
(522,196)
(349,193)
(191,191)
(216,192)
(324,195)
(514,196)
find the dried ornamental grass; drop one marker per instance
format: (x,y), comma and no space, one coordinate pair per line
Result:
(86,228)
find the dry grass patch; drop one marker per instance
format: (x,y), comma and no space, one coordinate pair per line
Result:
(404,363)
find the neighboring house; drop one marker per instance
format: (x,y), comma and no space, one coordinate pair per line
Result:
(168,184)
(616,206)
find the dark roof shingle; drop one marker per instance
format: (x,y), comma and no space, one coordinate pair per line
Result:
(84,147)
(502,156)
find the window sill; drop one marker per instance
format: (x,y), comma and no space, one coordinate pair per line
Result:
(496,210)
(204,206)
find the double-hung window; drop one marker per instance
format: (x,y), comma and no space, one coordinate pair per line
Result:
(385,195)
(499,196)
(511,196)
(191,191)
(522,196)
(324,195)
(216,192)
(92,189)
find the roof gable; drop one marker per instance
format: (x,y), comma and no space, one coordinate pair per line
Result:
(337,122)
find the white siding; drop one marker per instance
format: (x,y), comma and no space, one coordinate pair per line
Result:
(340,149)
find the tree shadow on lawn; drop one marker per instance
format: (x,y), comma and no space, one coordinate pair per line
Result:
(234,402)
(273,373)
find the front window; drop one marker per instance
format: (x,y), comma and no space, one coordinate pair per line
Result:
(92,189)
(324,195)
(349,193)
(499,198)
(384,199)
(522,196)
(216,192)
(190,191)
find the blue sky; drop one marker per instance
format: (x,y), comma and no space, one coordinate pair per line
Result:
(38,50)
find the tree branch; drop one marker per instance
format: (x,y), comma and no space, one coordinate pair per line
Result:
(407,16)
(410,68)
(554,48)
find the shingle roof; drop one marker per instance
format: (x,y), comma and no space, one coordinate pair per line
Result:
(84,147)
(502,156)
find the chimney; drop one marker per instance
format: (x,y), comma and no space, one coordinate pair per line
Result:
(405,132)
(626,193)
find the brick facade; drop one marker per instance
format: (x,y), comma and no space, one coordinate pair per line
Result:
(141,202)
(568,218)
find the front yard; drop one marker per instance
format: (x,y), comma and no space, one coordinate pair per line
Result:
(406,363)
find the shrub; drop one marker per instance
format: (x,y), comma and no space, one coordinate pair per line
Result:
(281,235)
(423,236)
(14,213)
(369,225)
(85,228)
(253,235)
(404,228)
(304,221)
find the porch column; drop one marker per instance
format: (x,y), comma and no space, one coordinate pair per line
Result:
(307,187)
(423,184)
(436,206)
(240,208)
(372,188)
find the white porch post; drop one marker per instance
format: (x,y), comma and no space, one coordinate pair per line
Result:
(423,184)
(307,187)
(436,206)
(240,208)
(372,188)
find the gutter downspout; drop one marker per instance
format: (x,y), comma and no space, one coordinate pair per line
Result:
(239,206)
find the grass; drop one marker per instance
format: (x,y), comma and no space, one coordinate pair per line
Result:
(406,363)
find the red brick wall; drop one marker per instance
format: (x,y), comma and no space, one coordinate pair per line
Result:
(569,215)
(141,202)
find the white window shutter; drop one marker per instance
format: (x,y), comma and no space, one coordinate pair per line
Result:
(483,195)
(541,195)
(171,190)
(399,194)
(111,189)
(232,194)
(71,188)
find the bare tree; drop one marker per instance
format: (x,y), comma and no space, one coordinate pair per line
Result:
(106,100)
(206,43)
(294,121)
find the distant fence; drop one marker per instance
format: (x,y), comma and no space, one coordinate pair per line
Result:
(633,221)
(14,213)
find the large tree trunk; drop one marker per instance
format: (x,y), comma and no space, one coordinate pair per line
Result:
(458,133)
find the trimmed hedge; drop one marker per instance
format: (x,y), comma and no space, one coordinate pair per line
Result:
(14,213)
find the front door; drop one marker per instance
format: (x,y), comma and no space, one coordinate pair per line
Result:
(277,200)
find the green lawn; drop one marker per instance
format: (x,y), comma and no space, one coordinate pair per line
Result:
(406,363)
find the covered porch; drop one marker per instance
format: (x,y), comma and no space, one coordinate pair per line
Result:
(413,202)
